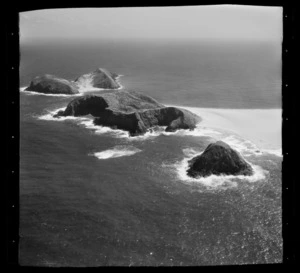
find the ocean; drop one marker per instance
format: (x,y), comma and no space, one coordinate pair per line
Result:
(93,196)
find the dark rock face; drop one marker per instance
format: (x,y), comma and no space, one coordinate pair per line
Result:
(50,84)
(130,111)
(124,121)
(218,159)
(139,122)
(85,105)
(120,101)
(100,78)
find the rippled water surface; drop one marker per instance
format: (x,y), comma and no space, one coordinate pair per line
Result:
(92,196)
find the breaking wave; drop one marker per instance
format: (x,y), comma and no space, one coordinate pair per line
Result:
(85,85)
(117,151)
(49,116)
(89,124)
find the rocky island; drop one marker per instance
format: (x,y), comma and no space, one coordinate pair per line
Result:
(218,159)
(130,111)
(50,84)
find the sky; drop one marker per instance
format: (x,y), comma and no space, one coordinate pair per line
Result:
(221,22)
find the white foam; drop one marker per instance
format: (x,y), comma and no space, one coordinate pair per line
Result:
(277,152)
(160,131)
(28,92)
(152,133)
(85,84)
(191,152)
(117,151)
(86,121)
(245,147)
(214,181)
(89,124)
(118,81)
(198,131)
(50,113)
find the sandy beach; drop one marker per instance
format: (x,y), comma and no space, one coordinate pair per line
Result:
(261,126)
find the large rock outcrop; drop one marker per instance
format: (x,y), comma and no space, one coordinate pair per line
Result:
(120,101)
(218,159)
(50,84)
(139,122)
(100,78)
(130,111)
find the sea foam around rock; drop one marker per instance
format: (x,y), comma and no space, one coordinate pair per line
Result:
(214,181)
(86,85)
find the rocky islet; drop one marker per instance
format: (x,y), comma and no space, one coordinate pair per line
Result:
(218,159)
(51,84)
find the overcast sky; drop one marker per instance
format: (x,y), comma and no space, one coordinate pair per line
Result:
(225,22)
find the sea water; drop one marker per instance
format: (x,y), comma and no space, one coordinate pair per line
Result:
(93,196)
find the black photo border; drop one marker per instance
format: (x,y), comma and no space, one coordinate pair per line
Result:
(12,120)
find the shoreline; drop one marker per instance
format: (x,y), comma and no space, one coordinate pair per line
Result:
(261,126)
